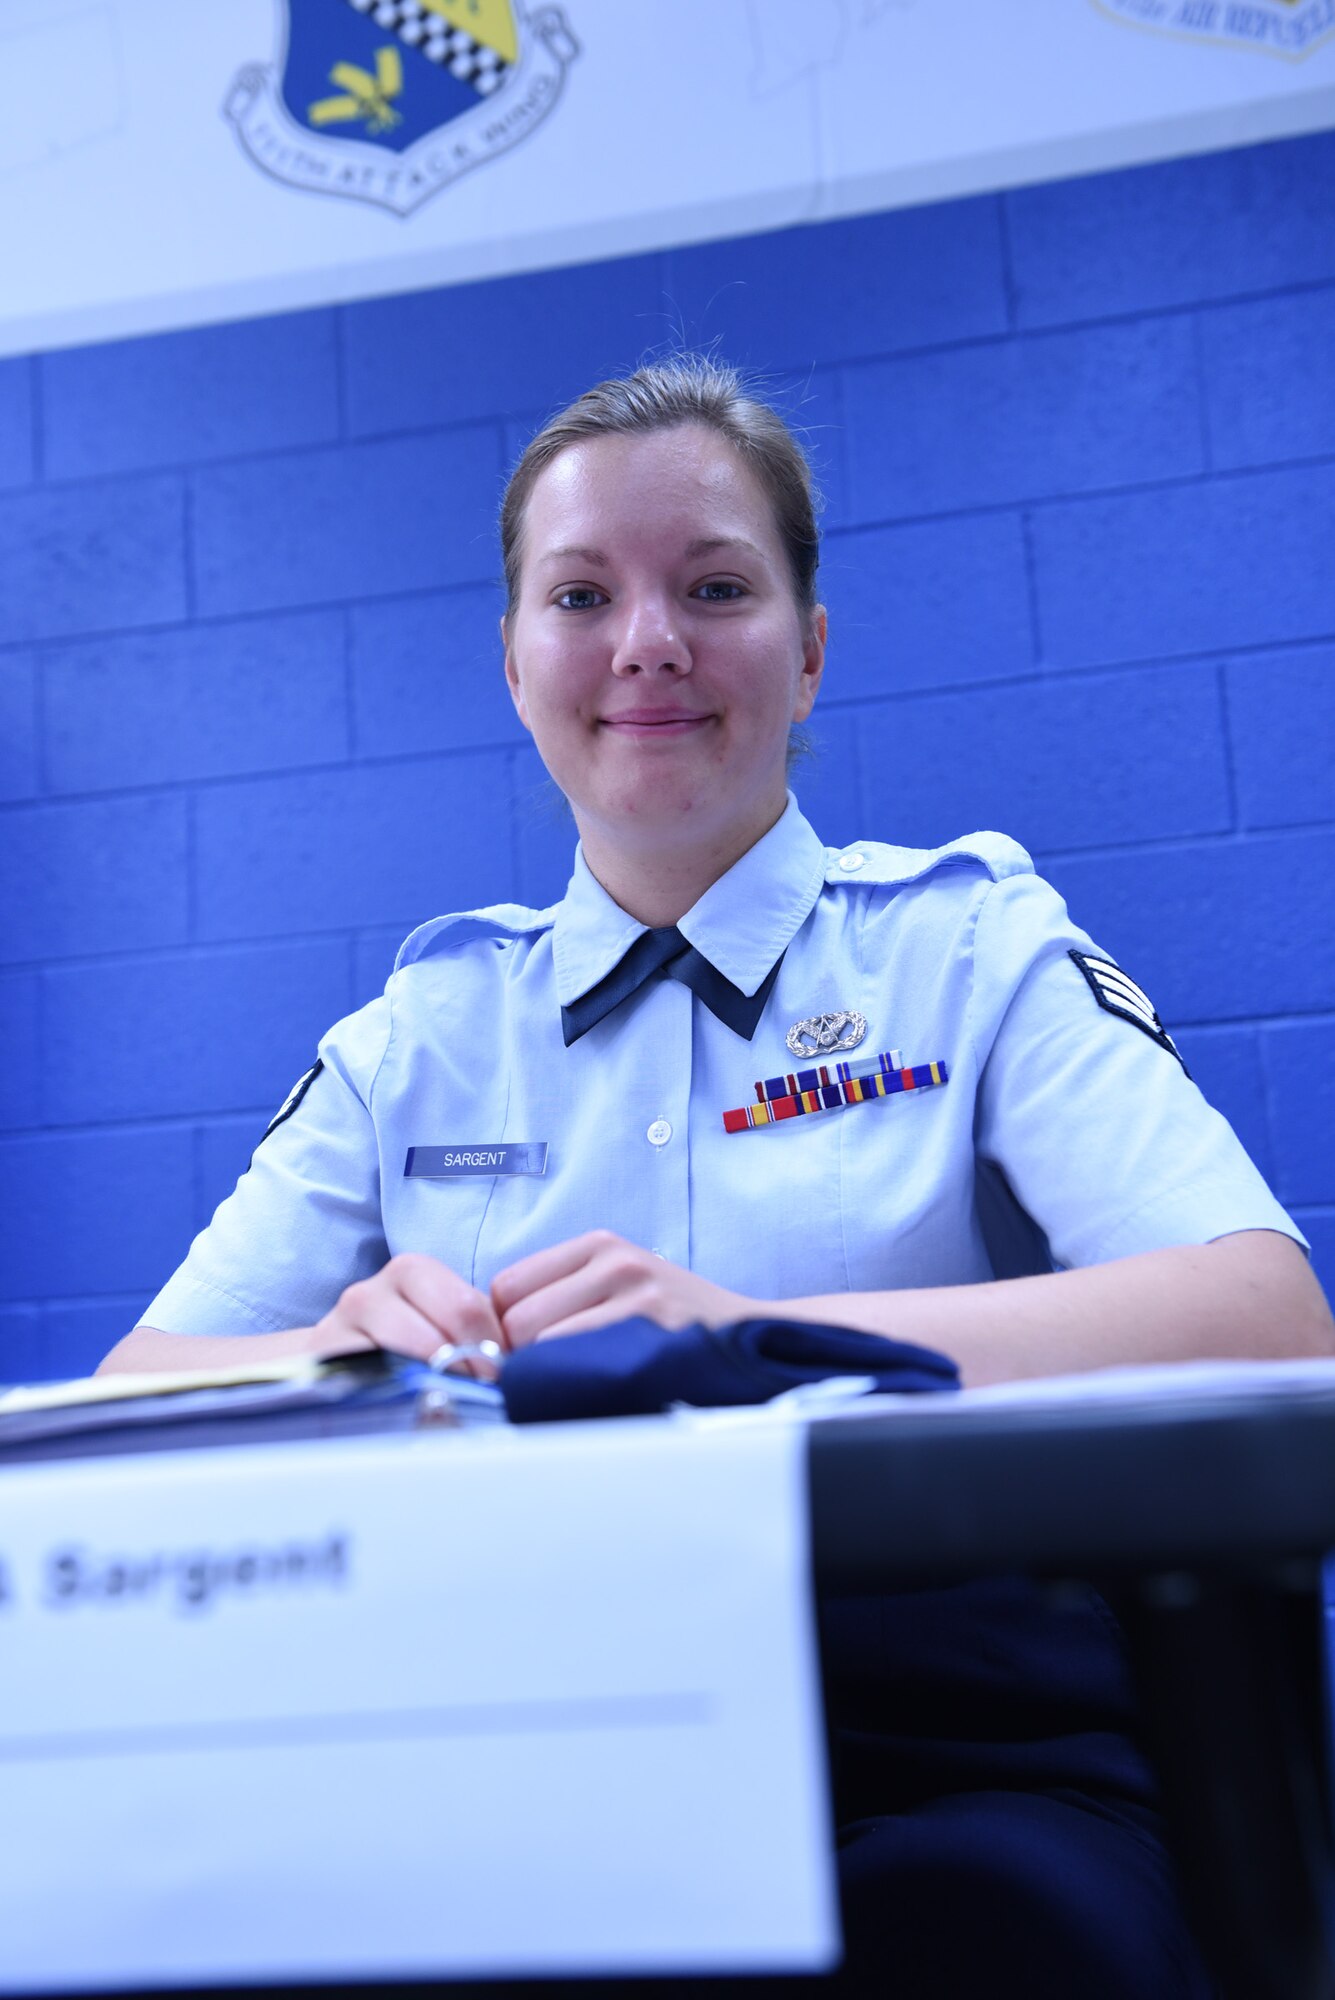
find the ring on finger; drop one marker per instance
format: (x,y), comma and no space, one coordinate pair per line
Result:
(448,1354)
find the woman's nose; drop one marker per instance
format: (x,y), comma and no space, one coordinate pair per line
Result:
(651,641)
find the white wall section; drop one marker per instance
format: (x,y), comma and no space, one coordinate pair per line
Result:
(129,204)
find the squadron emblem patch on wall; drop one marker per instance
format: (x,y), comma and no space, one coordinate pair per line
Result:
(388,101)
(1287,28)
(1120,995)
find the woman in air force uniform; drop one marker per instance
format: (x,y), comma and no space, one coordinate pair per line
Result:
(550,1121)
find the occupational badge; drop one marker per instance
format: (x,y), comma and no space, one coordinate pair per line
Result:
(822,1034)
(388,101)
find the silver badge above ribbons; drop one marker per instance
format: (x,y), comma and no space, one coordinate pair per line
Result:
(824,1034)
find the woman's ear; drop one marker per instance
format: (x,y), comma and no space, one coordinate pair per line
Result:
(813,664)
(512,675)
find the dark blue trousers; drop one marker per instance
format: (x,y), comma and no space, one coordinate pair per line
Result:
(996,1819)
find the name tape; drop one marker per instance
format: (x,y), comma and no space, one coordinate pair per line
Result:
(442,1163)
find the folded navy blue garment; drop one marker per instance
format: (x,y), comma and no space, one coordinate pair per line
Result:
(636,1368)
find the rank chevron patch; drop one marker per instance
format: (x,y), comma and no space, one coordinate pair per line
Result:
(293,1099)
(1117,993)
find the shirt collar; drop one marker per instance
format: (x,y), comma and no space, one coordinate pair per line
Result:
(741,923)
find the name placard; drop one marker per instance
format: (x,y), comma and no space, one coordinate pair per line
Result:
(464,1704)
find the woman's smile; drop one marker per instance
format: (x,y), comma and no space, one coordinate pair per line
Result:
(655,723)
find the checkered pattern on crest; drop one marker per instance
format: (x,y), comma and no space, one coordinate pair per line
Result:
(469,61)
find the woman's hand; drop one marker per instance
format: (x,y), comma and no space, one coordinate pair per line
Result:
(597,1279)
(410,1306)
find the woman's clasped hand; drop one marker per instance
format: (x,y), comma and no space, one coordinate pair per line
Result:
(414,1302)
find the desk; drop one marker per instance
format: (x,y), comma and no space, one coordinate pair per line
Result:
(1204,1505)
(1203,1501)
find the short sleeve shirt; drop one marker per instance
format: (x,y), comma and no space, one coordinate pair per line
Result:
(1067,1132)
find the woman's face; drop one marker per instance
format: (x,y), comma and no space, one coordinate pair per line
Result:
(656,650)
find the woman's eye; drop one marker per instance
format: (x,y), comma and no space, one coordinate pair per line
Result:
(580,597)
(720,591)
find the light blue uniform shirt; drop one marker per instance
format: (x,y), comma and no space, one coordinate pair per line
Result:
(1065,1134)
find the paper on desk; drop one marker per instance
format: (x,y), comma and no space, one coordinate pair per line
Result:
(1168,1381)
(83,1390)
(293,1396)
(1161,1384)
(100,1402)
(498,1702)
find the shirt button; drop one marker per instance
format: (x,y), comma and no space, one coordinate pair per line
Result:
(659,1132)
(848,862)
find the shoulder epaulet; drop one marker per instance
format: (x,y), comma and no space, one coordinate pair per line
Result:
(501,920)
(875,861)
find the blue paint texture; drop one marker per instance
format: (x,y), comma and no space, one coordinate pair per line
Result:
(1300,1059)
(866,285)
(1281,710)
(184,398)
(16,422)
(184,1033)
(473,353)
(1089,762)
(20,1071)
(927,604)
(1187,568)
(1007,420)
(199,701)
(330,526)
(360,845)
(1078,445)
(1270,388)
(97,558)
(1219,226)
(18,725)
(91,876)
(424,675)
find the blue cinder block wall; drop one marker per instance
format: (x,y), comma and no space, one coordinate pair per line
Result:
(1078,443)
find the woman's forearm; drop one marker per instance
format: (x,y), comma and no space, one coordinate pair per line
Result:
(147,1351)
(1247,1296)
(409,1306)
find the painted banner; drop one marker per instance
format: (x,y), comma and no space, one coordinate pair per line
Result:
(165,165)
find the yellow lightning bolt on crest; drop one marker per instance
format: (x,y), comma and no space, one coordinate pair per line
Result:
(366,97)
